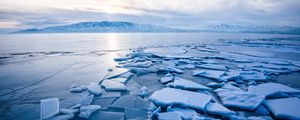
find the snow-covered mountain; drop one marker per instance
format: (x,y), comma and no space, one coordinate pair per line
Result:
(122,26)
(104,26)
(251,29)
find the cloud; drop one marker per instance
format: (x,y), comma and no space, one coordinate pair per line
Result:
(178,13)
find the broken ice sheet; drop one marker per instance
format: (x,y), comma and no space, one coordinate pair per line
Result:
(170,96)
(286,108)
(86,111)
(252,75)
(170,69)
(187,84)
(87,100)
(131,113)
(239,99)
(78,88)
(145,64)
(169,116)
(49,107)
(113,85)
(212,74)
(185,113)
(269,89)
(167,78)
(218,109)
(95,88)
(212,66)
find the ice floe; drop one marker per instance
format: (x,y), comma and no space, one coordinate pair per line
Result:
(95,88)
(185,113)
(170,69)
(167,78)
(252,75)
(239,99)
(49,107)
(286,108)
(113,85)
(212,66)
(218,109)
(87,100)
(271,89)
(212,74)
(170,96)
(187,84)
(78,88)
(169,116)
(86,111)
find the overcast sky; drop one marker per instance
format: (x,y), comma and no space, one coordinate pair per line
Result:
(176,13)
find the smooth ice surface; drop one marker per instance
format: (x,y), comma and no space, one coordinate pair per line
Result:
(269,89)
(170,96)
(218,109)
(286,108)
(86,111)
(113,85)
(120,79)
(78,88)
(62,117)
(49,107)
(239,99)
(252,75)
(187,84)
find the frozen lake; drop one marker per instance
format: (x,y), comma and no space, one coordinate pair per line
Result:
(39,66)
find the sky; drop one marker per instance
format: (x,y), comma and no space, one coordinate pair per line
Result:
(21,14)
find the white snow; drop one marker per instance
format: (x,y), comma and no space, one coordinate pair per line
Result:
(86,111)
(49,107)
(94,88)
(170,96)
(269,89)
(113,85)
(286,108)
(187,84)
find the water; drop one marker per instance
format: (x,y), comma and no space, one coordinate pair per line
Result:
(37,66)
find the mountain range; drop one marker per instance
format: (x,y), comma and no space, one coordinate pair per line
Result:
(123,26)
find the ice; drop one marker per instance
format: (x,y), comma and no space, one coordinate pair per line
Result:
(286,108)
(108,94)
(212,66)
(239,99)
(212,74)
(87,100)
(145,64)
(86,111)
(186,114)
(107,115)
(131,113)
(113,85)
(170,69)
(143,71)
(95,88)
(125,74)
(169,116)
(218,109)
(262,110)
(144,92)
(49,107)
(68,111)
(122,80)
(167,78)
(78,88)
(230,75)
(186,66)
(62,117)
(189,85)
(269,89)
(170,96)
(215,85)
(126,101)
(252,75)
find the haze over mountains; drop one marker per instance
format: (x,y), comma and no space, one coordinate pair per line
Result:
(123,26)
